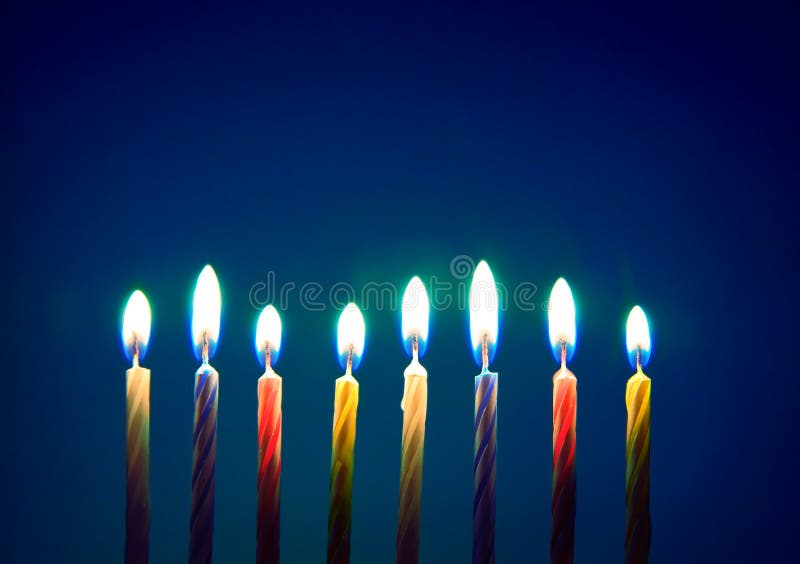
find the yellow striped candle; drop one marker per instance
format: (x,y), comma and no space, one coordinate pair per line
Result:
(415,407)
(135,336)
(350,346)
(637,447)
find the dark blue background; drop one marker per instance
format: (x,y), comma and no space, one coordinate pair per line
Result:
(646,156)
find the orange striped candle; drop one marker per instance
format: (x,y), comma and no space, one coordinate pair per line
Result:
(415,409)
(135,337)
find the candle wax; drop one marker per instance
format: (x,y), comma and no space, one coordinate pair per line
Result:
(270,393)
(483,507)
(342,459)
(201,533)
(137,510)
(565,403)
(637,476)
(415,407)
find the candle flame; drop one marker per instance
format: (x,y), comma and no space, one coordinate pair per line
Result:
(416,311)
(206,312)
(484,305)
(561,319)
(136,326)
(637,332)
(268,335)
(350,336)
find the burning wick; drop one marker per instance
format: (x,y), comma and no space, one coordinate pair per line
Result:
(349,370)
(135,348)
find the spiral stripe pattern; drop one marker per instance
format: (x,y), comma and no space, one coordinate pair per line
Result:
(137,508)
(415,406)
(270,391)
(201,529)
(565,399)
(341,484)
(483,506)
(637,478)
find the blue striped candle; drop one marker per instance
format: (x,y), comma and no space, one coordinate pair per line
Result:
(205,332)
(205,455)
(483,328)
(483,507)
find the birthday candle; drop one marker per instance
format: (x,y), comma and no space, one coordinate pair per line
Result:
(270,419)
(561,317)
(637,448)
(483,321)
(135,336)
(415,406)
(351,335)
(205,333)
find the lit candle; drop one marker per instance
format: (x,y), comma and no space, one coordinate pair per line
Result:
(561,316)
(270,419)
(351,335)
(483,323)
(205,332)
(135,336)
(637,448)
(415,310)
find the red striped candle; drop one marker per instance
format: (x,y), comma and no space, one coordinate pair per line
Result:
(565,403)
(561,318)
(270,419)
(270,390)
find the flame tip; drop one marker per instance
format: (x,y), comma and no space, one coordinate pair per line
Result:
(484,306)
(136,323)
(269,332)
(637,337)
(206,312)
(350,335)
(561,320)
(415,314)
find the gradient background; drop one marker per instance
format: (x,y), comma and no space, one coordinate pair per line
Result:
(648,157)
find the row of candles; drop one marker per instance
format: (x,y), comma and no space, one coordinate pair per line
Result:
(483,304)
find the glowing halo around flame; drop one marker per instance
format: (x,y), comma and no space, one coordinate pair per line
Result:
(206,311)
(484,306)
(637,337)
(350,335)
(416,311)
(268,333)
(561,319)
(136,325)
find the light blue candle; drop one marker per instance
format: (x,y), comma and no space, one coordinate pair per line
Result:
(484,306)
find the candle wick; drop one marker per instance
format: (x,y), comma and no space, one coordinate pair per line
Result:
(349,369)
(268,356)
(205,347)
(563,355)
(485,352)
(135,348)
(414,348)
(638,359)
